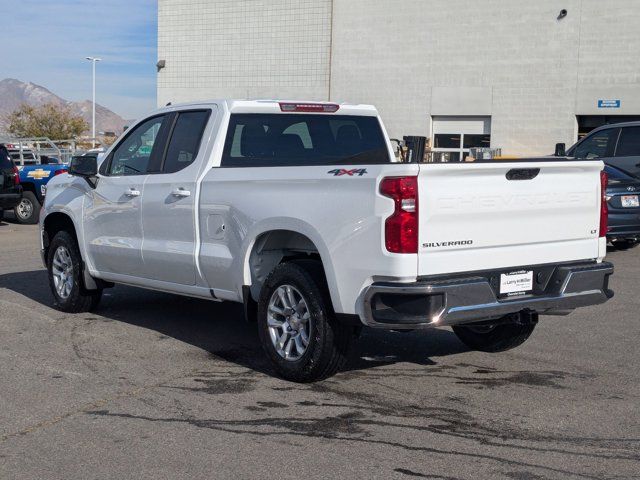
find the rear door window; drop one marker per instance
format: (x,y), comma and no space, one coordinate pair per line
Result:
(597,145)
(185,140)
(629,142)
(261,140)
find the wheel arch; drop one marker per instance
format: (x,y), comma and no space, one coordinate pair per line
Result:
(274,245)
(58,221)
(29,187)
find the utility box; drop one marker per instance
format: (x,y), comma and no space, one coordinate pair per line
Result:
(415,148)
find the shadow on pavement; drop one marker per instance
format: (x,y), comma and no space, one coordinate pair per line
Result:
(220,329)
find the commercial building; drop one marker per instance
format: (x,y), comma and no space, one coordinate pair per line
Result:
(519,75)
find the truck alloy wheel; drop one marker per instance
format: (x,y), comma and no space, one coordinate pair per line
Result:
(298,329)
(289,322)
(62,272)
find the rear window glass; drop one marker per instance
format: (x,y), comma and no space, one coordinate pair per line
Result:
(185,140)
(263,140)
(629,143)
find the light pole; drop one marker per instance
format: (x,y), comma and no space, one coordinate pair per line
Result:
(93,61)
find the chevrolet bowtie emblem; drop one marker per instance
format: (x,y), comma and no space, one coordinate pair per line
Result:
(38,174)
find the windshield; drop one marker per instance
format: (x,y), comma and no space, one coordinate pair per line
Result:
(301,139)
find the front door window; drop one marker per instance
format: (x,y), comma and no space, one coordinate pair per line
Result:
(133,155)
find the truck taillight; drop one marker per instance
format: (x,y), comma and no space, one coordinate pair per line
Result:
(60,172)
(309,107)
(604,209)
(16,175)
(401,228)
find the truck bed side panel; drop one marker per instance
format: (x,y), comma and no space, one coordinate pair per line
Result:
(341,214)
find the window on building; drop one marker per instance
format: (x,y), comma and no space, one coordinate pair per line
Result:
(447,140)
(453,137)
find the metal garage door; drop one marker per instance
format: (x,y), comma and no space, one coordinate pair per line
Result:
(454,136)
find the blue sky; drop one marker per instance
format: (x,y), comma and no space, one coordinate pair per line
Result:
(46,42)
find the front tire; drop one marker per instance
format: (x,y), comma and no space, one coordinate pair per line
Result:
(28,210)
(64,266)
(297,326)
(497,337)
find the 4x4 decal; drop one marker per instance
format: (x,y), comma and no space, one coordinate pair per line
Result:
(338,172)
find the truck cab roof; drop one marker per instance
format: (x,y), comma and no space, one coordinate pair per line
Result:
(279,106)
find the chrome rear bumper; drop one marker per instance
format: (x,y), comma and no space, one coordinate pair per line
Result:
(466,299)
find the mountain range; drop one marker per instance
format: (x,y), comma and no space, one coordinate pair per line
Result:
(14,92)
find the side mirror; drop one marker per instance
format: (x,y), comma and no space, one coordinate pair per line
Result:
(84,166)
(561,150)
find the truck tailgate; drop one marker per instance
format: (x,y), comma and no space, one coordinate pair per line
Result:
(473,217)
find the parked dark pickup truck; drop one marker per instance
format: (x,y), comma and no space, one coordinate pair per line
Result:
(10,189)
(34,175)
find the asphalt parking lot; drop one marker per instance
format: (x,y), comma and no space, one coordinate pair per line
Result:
(153,386)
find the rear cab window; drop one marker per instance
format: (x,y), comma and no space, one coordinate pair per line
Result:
(271,140)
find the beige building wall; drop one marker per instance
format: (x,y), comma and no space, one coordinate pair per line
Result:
(243,49)
(514,61)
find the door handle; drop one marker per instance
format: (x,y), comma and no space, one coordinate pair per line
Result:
(132,192)
(181,192)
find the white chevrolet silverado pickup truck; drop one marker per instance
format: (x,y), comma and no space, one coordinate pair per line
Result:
(299,211)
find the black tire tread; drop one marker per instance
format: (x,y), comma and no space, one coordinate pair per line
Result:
(503,337)
(337,338)
(36,209)
(80,300)
(624,244)
(343,334)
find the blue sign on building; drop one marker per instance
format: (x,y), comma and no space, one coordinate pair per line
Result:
(608,103)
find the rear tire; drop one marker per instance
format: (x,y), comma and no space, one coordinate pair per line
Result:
(1,215)
(28,210)
(327,340)
(64,266)
(494,338)
(624,244)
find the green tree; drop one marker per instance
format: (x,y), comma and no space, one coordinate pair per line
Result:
(49,120)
